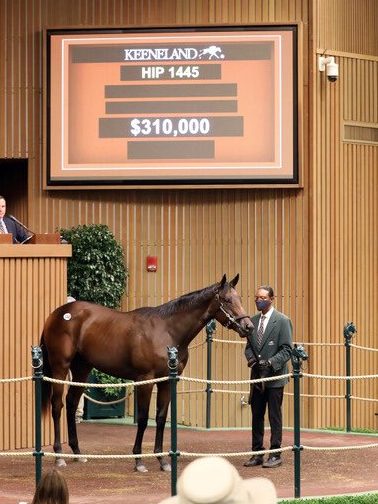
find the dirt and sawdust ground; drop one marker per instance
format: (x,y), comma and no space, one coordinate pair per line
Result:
(114,481)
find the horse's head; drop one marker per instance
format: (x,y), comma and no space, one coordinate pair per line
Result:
(229,311)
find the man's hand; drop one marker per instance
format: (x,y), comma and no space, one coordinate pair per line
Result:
(264,363)
(264,368)
(251,362)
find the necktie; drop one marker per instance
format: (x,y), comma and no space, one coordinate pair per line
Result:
(260,330)
(2,227)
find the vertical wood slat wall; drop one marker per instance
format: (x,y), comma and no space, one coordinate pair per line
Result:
(30,288)
(197,235)
(344,210)
(268,235)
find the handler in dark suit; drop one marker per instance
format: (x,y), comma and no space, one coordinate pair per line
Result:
(8,225)
(268,350)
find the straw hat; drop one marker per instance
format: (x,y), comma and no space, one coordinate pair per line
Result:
(213,480)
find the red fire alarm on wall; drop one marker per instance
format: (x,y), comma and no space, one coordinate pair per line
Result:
(151,263)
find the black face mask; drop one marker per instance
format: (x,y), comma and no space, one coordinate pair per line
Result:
(262,304)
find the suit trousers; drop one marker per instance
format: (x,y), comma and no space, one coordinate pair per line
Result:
(271,397)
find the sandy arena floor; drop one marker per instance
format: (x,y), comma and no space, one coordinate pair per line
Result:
(114,481)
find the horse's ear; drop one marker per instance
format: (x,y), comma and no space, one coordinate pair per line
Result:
(223,281)
(234,281)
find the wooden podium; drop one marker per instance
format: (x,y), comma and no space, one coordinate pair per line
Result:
(33,282)
(6,238)
(49,238)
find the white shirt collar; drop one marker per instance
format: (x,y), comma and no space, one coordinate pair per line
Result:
(268,315)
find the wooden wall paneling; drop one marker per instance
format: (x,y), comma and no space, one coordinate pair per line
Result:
(346,208)
(19,333)
(12,349)
(5,354)
(339,26)
(142,219)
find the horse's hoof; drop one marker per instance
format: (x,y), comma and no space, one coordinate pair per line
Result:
(166,467)
(59,462)
(141,468)
(83,460)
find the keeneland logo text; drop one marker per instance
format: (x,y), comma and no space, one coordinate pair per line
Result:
(175,53)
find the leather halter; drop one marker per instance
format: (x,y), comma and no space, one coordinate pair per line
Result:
(230,319)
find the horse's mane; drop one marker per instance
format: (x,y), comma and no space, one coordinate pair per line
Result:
(187,300)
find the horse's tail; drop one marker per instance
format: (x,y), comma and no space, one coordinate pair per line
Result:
(46,385)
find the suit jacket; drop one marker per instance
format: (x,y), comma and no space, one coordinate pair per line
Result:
(276,346)
(18,233)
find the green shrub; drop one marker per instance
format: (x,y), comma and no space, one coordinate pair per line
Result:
(110,392)
(96,270)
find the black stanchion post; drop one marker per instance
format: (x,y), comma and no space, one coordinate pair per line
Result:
(210,328)
(173,378)
(349,330)
(298,355)
(37,364)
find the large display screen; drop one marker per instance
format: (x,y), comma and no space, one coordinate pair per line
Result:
(171,107)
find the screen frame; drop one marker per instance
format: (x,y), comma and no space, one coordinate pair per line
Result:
(123,183)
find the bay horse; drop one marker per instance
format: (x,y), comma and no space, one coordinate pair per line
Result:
(80,336)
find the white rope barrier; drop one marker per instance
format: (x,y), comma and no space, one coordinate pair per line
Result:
(191,347)
(197,380)
(222,391)
(236,454)
(14,380)
(191,454)
(104,403)
(191,391)
(318,396)
(16,454)
(331,377)
(235,382)
(364,348)
(205,381)
(105,385)
(340,448)
(96,456)
(236,342)
(217,340)
(364,398)
(246,392)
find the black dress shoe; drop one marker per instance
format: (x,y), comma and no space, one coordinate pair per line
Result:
(254,461)
(273,462)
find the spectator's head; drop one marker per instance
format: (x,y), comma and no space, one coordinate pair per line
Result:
(51,489)
(213,480)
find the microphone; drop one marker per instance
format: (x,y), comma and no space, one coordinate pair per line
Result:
(23,226)
(17,221)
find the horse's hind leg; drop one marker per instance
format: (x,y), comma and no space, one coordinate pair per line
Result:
(80,371)
(143,405)
(56,411)
(162,403)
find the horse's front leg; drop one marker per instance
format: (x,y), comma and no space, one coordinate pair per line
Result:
(143,405)
(162,403)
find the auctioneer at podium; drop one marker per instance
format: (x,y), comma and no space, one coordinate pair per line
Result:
(11,226)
